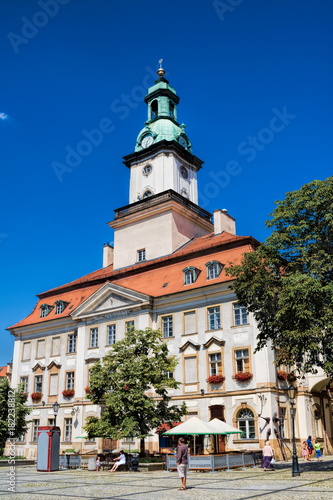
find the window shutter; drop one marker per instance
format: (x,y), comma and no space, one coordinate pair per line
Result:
(190,322)
(246,365)
(53,384)
(40,348)
(190,370)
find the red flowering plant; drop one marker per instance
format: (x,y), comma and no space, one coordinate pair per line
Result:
(215,379)
(68,393)
(243,376)
(282,375)
(87,389)
(35,396)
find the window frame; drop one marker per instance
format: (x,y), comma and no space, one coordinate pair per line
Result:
(25,383)
(34,430)
(70,380)
(247,424)
(68,426)
(129,325)
(165,326)
(141,255)
(237,349)
(94,338)
(208,313)
(213,264)
(69,342)
(114,334)
(191,272)
(40,383)
(218,368)
(240,306)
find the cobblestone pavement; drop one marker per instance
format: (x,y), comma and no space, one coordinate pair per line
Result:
(316,481)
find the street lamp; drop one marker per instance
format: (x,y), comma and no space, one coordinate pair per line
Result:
(55,411)
(292,393)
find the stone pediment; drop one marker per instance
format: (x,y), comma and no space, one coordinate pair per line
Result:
(111,301)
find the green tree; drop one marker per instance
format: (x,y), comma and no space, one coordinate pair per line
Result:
(13,412)
(131,384)
(287,283)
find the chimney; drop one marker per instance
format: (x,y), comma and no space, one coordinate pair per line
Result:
(224,222)
(107,255)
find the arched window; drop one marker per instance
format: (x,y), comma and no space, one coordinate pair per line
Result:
(154,109)
(214,269)
(190,275)
(147,193)
(245,419)
(171,109)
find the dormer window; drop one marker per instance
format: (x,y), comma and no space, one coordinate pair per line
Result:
(214,269)
(190,275)
(45,309)
(60,306)
(154,109)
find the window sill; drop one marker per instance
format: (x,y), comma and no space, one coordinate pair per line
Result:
(215,330)
(89,348)
(240,326)
(68,353)
(187,334)
(167,338)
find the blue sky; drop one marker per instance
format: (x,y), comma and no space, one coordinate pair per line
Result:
(255,82)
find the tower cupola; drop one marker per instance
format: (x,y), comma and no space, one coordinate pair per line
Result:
(162,123)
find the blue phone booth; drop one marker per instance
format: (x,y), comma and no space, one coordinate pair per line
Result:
(48,448)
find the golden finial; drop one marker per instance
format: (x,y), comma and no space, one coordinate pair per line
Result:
(160,70)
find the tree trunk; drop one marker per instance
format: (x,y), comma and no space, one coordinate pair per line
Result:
(142,447)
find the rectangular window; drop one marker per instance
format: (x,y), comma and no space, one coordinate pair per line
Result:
(55,346)
(21,438)
(282,421)
(213,271)
(70,380)
(167,328)
(26,351)
(68,429)
(129,325)
(242,360)
(168,374)
(141,255)
(111,334)
(53,384)
(39,383)
(35,425)
(94,337)
(71,342)
(24,381)
(214,318)
(240,315)
(51,421)
(40,348)
(215,364)
(190,364)
(60,306)
(190,322)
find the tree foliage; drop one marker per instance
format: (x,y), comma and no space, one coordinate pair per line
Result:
(12,411)
(287,283)
(131,383)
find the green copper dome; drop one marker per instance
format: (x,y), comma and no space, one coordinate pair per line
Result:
(162,121)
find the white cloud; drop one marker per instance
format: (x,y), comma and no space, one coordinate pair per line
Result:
(3,116)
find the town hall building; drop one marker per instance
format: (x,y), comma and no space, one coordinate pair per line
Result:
(166,270)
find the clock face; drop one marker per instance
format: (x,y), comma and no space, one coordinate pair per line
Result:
(184,172)
(147,170)
(182,141)
(147,141)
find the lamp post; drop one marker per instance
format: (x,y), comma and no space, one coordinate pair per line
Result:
(55,411)
(292,393)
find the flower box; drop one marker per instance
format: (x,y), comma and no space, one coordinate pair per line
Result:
(35,396)
(282,375)
(215,379)
(243,376)
(68,393)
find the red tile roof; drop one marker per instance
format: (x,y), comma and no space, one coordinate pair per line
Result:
(3,371)
(157,277)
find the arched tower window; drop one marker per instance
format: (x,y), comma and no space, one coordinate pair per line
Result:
(245,419)
(147,193)
(154,109)
(171,109)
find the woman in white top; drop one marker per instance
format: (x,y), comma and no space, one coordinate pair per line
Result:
(120,461)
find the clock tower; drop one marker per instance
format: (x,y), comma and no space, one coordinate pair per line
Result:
(162,213)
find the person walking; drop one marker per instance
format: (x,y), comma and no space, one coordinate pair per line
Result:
(319,456)
(310,446)
(267,455)
(182,452)
(305,451)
